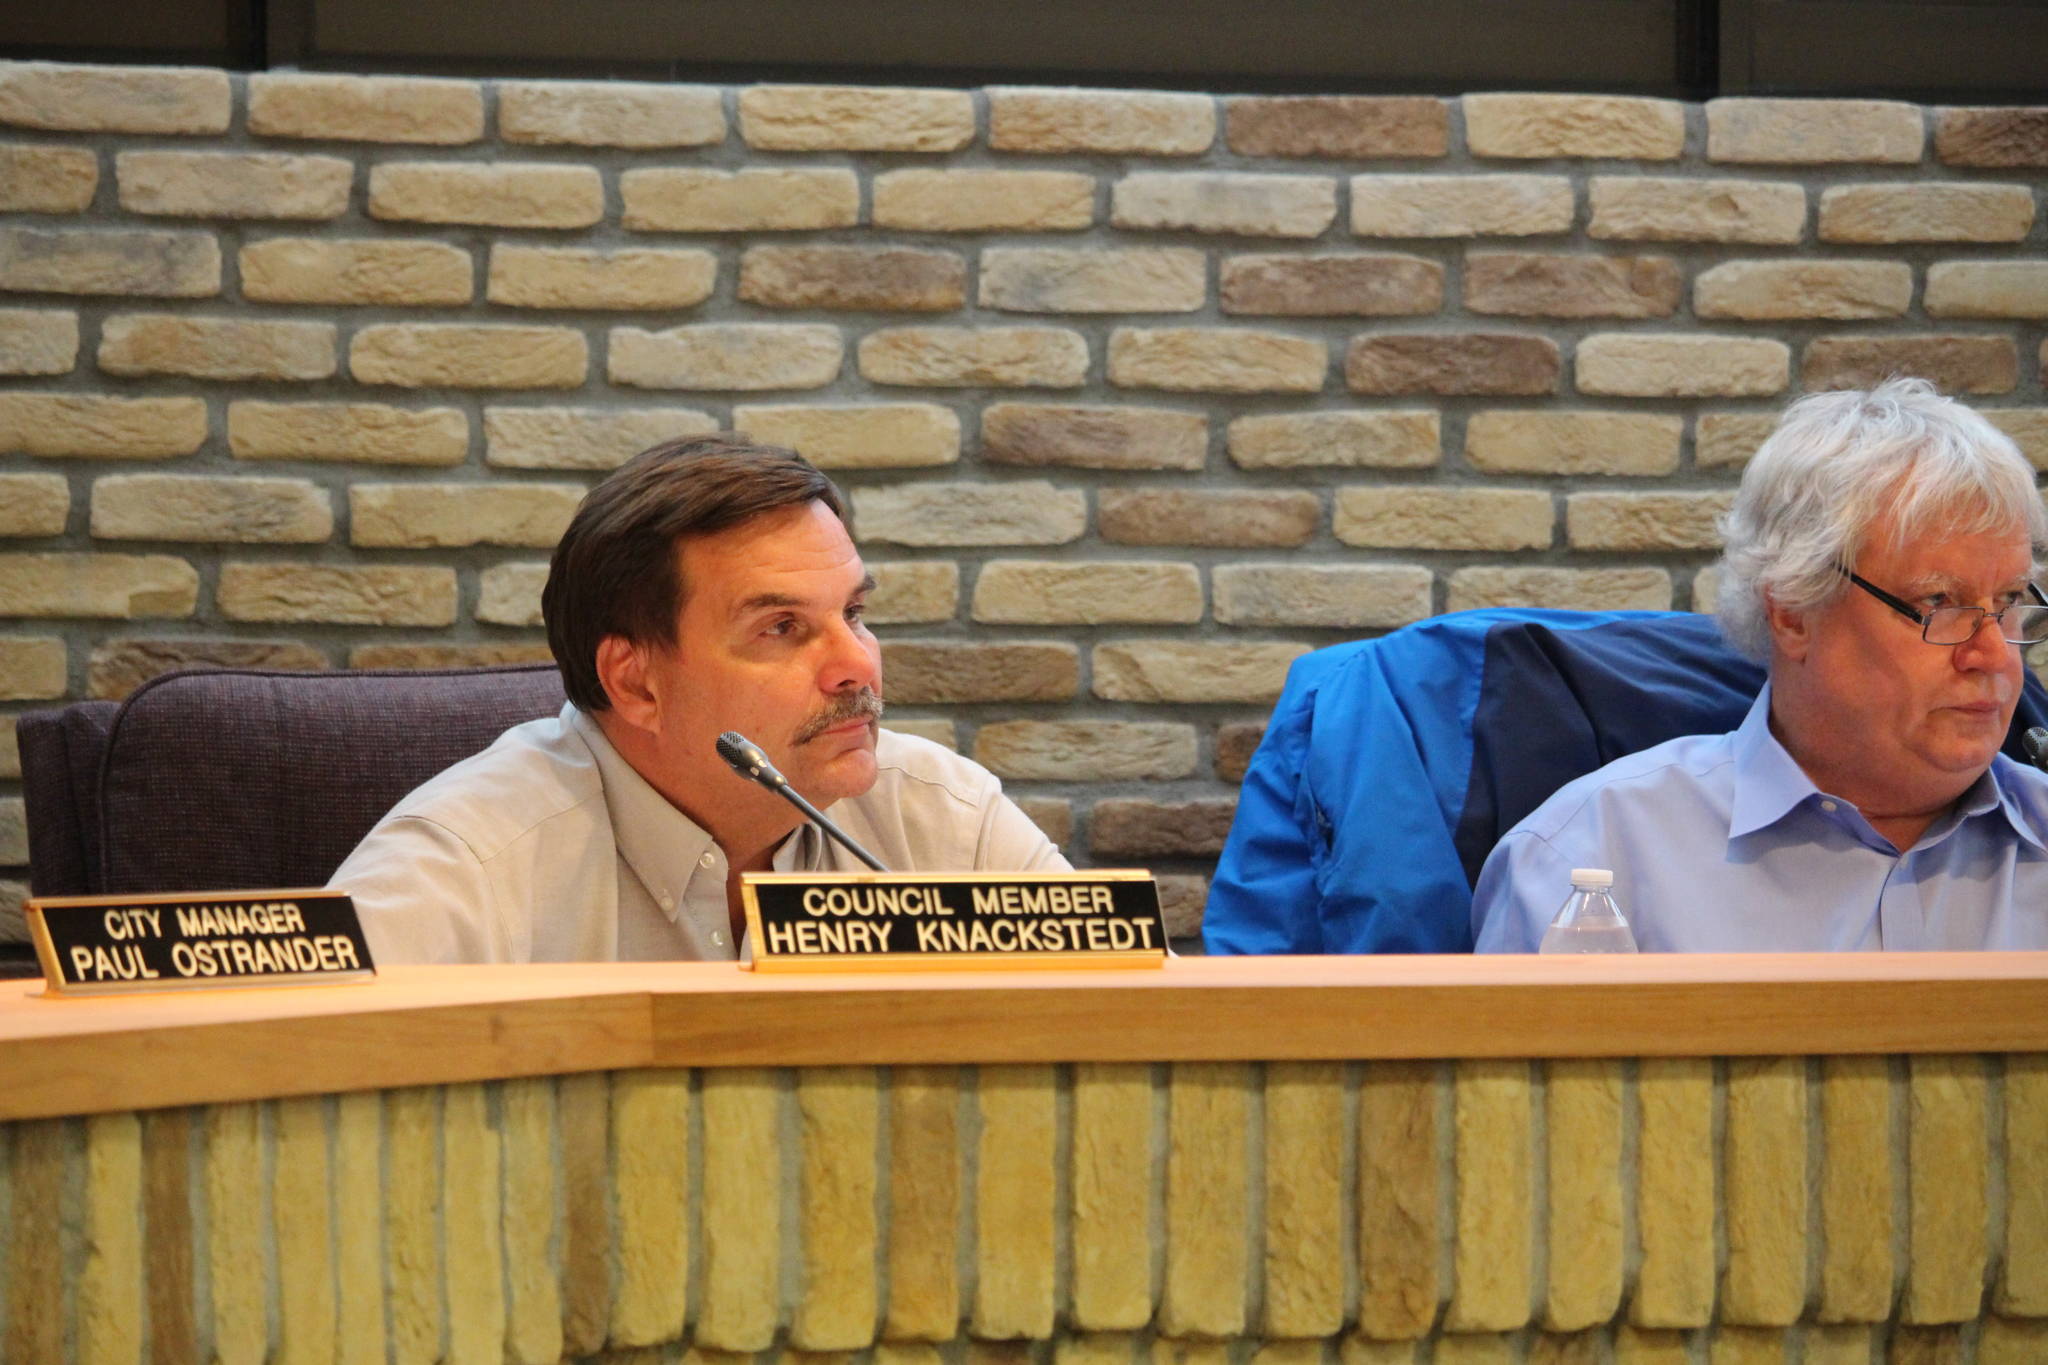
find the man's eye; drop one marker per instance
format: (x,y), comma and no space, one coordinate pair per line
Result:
(785,625)
(856,610)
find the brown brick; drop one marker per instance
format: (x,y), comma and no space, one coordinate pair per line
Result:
(1987,289)
(1353,440)
(1016,513)
(490,194)
(944,672)
(919,591)
(76,424)
(1452,363)
(233,510)
(1216,360)
(114,99)
(487,356)
(171,265)
(1233,202)
(1160,828)
(2028,428)
(1551,442)
(974,357)
(234,184)
(866,279)
(121,586)
(1066,592)
(1460,205)
(1235,745)
(583,438)
(449,656)
(1773,290)
(118,667)
(1131,122)
(1927,211)
(1523,284)
(610,114)
(848,118)
(1956,364)
(1992,137)
(1725,440)
(1085,751)
(1219,517)
(984,201)
(1337,127)
(216,348)
(365,108)
(1192,671)
(1348,596)
(1808,132)
(359,595)
(1538,126)
(509,594)
(661,199)
(577,277)
(367,433)
(33,504)
(1054,817)
(857,435)
(305,270)
(1331,286)
(1133,280)
(33,668)
(737,355)
(39,179)
(1648,209)
(1085,437)
(417,516)
(38,341)
(1644,521)
(1423,518)
(1568,589)
(1644,365)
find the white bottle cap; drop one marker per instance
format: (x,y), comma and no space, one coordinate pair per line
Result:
(1592,878)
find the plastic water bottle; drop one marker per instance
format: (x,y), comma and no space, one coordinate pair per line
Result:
(1590,922)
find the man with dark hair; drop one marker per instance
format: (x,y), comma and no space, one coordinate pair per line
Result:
(708,585)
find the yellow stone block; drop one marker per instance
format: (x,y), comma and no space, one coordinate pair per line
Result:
(359,1226)
(1289,1353)
(1582,1113)
(651,1191)
(1001,1353)
(1650,1346)
(1365,1351)
(1491,1261)
(924,1204)
(168,1230)
(1013,1251)
(1855,1190)
(1206,1188)
(301,1224)
(234,1226)
(1747,1346)
(2009,1341)
(1172,1351)
(412,1224)
(1397,1199)
(1926,1346)
(533,1309)
(110,1286)
(1476,1348)
(1845,1344)
(472,1166)
(1112,1196)
(839,1108)
(906,1353)
(1095,1348)
(742,1209)
(586,1211)
(1675,1193)
(1574,1348)
(1304,1199)
(2023,1288)
(1947,1154)
(1765,1215)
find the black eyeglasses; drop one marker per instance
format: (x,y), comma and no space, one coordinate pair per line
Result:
(2020,623)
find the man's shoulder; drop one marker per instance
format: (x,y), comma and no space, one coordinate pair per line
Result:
(529,775)
(1685,764)
(905,761)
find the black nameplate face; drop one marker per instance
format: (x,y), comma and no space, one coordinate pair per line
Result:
(850,921)
(104,944)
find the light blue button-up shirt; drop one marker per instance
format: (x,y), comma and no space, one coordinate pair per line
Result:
(1721,843)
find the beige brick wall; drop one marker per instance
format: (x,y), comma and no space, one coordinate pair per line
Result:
(1497,1210)
(1138,395)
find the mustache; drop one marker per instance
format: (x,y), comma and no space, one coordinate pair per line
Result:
(865,704)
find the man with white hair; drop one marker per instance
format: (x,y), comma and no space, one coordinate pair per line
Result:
(1879,560)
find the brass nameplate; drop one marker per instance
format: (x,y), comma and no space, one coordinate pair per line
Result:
(857,921)
(101,945)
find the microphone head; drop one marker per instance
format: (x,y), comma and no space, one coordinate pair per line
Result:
(747,760)
(2035,742)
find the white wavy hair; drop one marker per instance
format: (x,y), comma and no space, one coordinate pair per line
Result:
(1833,465)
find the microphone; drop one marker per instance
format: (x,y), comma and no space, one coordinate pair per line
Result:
(2035,742)
(749,762)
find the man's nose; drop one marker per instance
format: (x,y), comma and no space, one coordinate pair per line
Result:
(1988,647)
(851,660)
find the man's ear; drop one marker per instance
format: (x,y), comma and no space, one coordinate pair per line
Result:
(622,668)
(1791,631)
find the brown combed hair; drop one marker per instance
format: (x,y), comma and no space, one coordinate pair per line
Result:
(616,571)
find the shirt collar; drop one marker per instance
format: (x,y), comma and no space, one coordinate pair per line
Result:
(664,847)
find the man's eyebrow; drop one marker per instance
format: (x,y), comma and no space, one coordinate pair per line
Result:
(765,601)
(867,585)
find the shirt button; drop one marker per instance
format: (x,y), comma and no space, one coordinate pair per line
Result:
(1827,806)
(707,860)
(718,937)
(667,901)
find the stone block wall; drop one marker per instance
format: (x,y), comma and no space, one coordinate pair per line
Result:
(1749,1210)
(1138,395)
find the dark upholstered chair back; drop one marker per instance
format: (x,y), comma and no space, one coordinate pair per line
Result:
(224,779)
